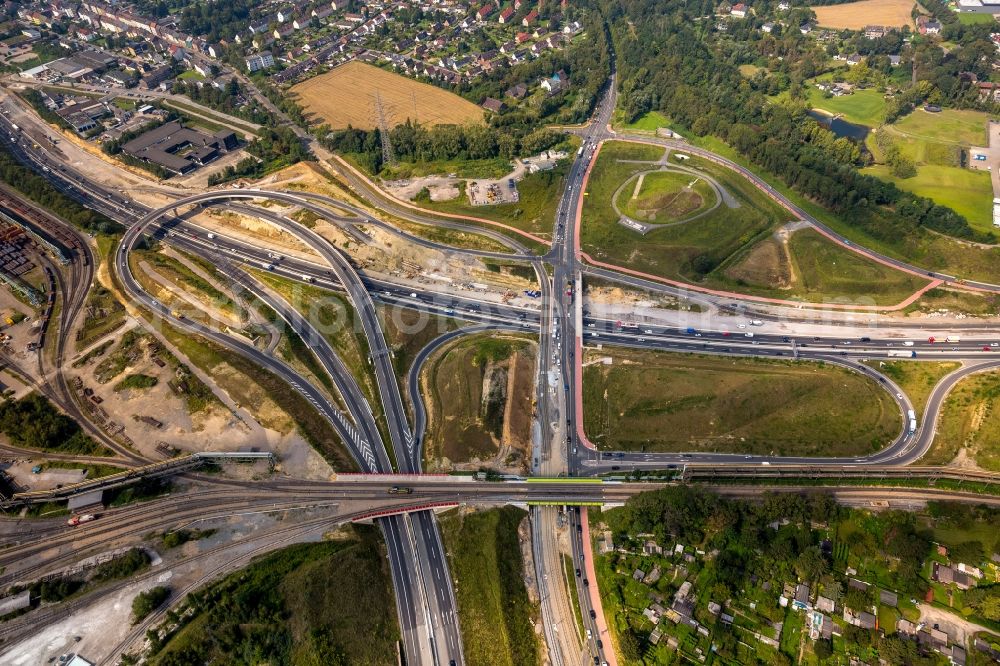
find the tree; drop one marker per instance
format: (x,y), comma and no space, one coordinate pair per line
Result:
(148,601)
(823,649)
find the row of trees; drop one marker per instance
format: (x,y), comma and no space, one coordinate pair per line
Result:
(417,143)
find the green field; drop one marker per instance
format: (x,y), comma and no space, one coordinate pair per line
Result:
(970,420)
(321,603)
(813,268)
(969,193)
(665,196)
(826,269)
(969,18)
(934,142)
(915,378)
(649,122)
(658,401)
(956,126)
(864,107)
(687,252)
(495,613)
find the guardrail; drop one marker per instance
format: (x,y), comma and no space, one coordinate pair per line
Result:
(128,477)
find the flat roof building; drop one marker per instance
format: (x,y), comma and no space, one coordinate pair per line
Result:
(179,149)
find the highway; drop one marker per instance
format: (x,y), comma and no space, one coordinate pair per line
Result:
(366,449)
(425,598)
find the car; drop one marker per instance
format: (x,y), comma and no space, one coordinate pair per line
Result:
(741,326)
(866,339)
(986,348)
(748,334)
(899,396)
(995,344)
(600,645)
(586,583)
(593,614)
(579,528)
(577,573)
(726,334)
(589,634)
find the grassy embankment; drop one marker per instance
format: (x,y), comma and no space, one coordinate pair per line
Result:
(969,420)
(655,401)
(916,378)
(495,613)
(323,603)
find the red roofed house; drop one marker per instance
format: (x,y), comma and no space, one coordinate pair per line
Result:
(506,15)
(530,18)
(484,11)
(739,10)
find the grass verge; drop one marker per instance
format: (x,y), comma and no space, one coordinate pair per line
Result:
(494,610)
(657,401)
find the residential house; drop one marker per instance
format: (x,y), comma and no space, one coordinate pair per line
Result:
(768,27)
(259,61)
(530,18)
(875,31)
(739,10)
(494,106)
(928,26)
(801,599)
(638,575)
(825,604)
(948,576)
(484,11)
(506,15)
(887,598)
(866,620)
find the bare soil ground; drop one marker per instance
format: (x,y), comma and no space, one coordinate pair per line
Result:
(463,398)
(766,263)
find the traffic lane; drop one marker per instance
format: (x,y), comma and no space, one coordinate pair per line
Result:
(430,555)
(901,347)
(310,272)
(403,585)
(770,347)
(363,450)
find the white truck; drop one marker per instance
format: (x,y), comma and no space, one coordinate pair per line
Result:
(902,353)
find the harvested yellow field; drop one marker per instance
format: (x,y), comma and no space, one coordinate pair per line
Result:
(856,15)
(346,96)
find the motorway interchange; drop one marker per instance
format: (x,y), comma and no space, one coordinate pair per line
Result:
(425,599)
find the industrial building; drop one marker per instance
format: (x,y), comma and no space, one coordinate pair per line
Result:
(180,149)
